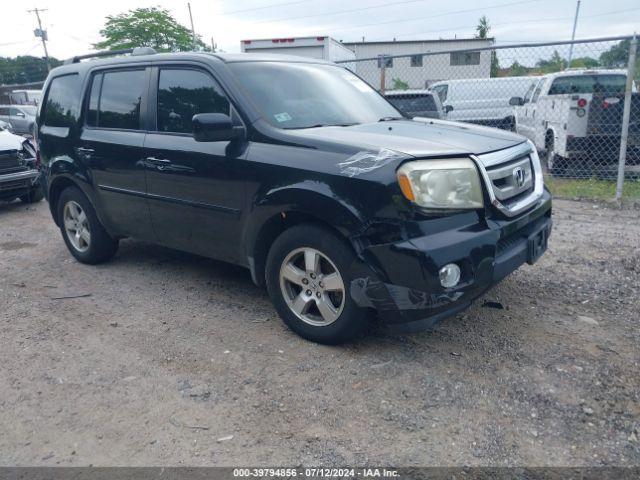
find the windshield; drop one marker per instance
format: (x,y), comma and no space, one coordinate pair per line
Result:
(303,95)
(588,84)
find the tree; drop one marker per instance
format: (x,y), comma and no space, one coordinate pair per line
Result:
(24,69)
(618,56)
(483,28)
(584,62)
(554,64)
(399,84)
(517,70)
(147,27)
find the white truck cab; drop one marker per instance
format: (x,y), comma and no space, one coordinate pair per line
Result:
(574,116)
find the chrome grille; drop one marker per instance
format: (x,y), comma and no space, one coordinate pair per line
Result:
(513,177)
(10,161)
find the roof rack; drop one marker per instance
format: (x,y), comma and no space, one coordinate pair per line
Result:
(110,53)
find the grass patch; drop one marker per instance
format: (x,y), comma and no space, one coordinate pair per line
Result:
(591,188)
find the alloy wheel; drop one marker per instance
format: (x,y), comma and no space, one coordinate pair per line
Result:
(312,287)
(76,226)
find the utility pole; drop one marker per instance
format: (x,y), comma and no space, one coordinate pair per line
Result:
(573,34)
(193,31)
(213,45)
(39,32)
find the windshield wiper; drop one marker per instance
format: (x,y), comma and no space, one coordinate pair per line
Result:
(391,119)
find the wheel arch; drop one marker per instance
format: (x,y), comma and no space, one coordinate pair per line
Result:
(278,212)
(57,186)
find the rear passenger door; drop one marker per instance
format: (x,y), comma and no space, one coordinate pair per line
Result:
(196,189)
(111,145)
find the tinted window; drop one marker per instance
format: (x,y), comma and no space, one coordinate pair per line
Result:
(120,99)
(588,84)
(94,97)
(4,111)
(414,104)
(182,94)
(63,100)
(464,58)
(416,60)
(441,90)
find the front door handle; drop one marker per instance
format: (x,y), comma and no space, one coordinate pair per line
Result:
(158,160)
(86,151)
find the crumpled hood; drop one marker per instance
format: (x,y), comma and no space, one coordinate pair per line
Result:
(9,141)
(418,138)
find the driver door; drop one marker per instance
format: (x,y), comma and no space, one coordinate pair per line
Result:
(195,189)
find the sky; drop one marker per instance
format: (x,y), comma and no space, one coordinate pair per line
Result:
(73,25)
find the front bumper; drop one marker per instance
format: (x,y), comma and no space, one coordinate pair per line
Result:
(15,183)
(406,290)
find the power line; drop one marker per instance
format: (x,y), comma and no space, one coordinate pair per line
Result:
(353,10)
(538,20)
(443,14)
(264,8)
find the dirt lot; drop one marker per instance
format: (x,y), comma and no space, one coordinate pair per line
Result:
(172,359)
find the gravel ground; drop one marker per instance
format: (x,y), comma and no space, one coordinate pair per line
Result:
(171,359)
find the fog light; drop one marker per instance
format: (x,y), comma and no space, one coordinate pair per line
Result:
(449,275)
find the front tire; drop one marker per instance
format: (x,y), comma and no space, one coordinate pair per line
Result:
(84,235)
(307,274)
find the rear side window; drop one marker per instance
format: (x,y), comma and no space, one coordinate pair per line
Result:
(116,98)
(588,84)
(182,93)
(63,101)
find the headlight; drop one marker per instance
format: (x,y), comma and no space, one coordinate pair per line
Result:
(442,184)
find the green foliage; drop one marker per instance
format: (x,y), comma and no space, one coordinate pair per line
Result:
(495,64)
(25,69)
(618,56)
(483,28)
(517,70)
(400,84)
(584,62)
(554,64)
(147,27)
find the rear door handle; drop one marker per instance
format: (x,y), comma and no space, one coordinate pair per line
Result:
(158,160)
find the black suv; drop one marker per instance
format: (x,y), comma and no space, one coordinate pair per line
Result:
(297,170)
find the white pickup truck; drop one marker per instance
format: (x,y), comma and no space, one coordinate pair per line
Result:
(575,118)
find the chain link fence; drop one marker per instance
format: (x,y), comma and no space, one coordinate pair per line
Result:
(576,101)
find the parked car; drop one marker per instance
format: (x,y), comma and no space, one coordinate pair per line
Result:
(575,117)
(21,117)
(296,169)
(18,169)
(416,103)
(6,126)
(483,101)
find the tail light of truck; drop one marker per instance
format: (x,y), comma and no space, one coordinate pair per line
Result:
(582,102)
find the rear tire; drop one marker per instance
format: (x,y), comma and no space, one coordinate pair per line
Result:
(554,163)
(307,275)
(84,235)
(34,196)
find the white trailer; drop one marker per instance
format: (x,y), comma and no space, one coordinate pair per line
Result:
(324,48)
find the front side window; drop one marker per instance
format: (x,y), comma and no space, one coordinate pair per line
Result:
(63,101)
(536,92)
(527,96)
(441,90)
(182,94)
(464,58)
(306,95)
(416,60)
(116,98)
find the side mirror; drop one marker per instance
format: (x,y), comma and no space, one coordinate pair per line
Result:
(448,108)
(516,101)
(214,127)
